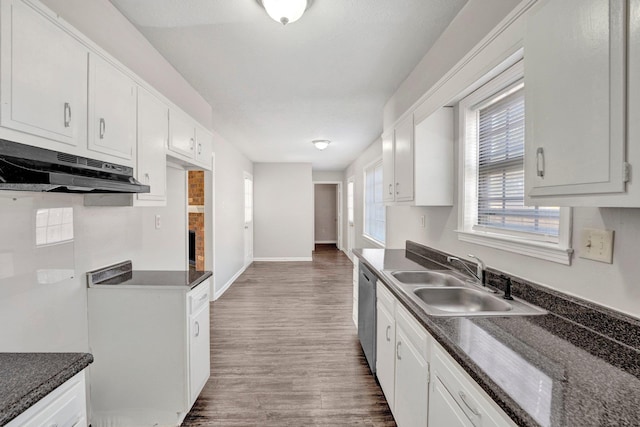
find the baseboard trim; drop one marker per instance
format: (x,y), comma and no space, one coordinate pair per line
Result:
(217,294)
(283,259)
(326,242)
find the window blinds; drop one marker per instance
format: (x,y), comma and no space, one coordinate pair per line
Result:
(501,170)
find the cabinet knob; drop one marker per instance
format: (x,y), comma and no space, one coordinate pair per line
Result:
(397,190)
(199,147)
(387,333)
(193,143)
(398,350)
(390,189)
(540,162)
(67,114)
(197,325)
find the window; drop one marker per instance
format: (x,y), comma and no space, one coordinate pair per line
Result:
(374,209)
(492,195)
(350,202)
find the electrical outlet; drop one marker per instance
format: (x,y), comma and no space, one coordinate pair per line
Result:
(158,222)
(422,223)
(597,245)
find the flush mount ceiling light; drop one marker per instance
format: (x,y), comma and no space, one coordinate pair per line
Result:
(285,11)
(321,144)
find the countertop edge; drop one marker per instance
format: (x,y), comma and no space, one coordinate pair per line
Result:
(502,399)
(25,402)
(192,284)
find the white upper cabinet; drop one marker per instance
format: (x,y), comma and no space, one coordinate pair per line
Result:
(204,147)
(403,160)
(575,102)
(182,139)
(153,133)
(433,151)
(388,169)
(417,160)
(112,110)
(44,76)
(188,141)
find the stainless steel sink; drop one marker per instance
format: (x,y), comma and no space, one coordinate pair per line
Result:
(445,293)
(461,300)
(427,278)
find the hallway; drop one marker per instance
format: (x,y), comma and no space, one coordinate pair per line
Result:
(285,352)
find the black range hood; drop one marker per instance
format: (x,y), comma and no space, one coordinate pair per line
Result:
(27,168)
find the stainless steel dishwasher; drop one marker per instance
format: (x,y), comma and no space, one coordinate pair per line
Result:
(367,315)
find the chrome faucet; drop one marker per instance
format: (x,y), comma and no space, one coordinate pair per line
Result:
(480,268)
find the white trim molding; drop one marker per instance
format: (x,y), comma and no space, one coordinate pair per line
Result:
(326,242)
(218,292)
(283,259)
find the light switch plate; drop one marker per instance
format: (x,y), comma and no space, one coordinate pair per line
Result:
(597,245)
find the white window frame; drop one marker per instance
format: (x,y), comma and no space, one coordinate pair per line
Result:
(521,243)
(371,166)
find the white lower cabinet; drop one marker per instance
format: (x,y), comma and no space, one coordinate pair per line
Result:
(66,406)
(386,344)
(152,355)
(472,405)
(355,291)
(423,385)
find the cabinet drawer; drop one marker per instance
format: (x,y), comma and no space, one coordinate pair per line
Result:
(199,297)
(385,298)
(63,407)
(480,409)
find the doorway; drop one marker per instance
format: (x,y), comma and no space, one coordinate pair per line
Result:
(248,219)
(196,211)
(351,234)
(327,206)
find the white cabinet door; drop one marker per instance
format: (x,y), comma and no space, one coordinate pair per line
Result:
(153,134)
(204,147)
(575,99)
(385,352)
(44,76)
(443,409)
(182,134)
(412,383)
(433,151)
(403,160)
(199,351)
(112,110)
(388,177)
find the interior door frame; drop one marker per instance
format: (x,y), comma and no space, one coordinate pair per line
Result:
(339,212)
(351,232)
(247,260)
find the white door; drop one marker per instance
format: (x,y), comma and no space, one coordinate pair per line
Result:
(350,220)
(412,383)
(403,160)
(388,173)
(248,219)
(385,353)
(182,134)
(199,351)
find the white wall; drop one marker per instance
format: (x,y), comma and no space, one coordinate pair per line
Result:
(327,176)
(325,217)
(229,211)
(101,22)
(469,26)
(356,169)
(283,221)
(41,314)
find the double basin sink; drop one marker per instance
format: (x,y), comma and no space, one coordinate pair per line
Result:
(449,293)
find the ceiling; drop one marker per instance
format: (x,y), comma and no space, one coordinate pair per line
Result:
(275,88)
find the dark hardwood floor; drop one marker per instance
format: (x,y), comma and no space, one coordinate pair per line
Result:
(285,352)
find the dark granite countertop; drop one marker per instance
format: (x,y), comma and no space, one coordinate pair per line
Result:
(156,279)
(25,378)
(541,370)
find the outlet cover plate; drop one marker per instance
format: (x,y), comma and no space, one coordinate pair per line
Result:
(597,245)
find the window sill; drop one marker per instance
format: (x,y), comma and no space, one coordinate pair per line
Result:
(373,241)
(543,251)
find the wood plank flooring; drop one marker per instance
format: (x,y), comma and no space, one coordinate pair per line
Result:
(285,352)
